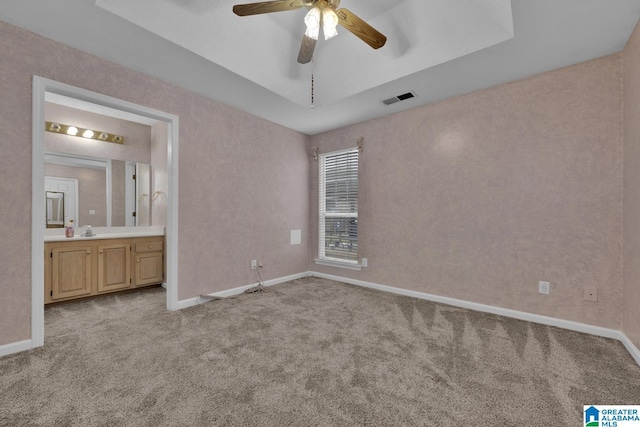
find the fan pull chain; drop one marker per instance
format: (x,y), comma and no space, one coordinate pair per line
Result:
(312,91)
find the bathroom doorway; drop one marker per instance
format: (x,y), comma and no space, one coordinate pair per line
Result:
(44,88)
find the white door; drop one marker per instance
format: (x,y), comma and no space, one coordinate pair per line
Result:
(70,189)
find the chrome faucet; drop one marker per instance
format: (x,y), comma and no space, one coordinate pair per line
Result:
(88,232)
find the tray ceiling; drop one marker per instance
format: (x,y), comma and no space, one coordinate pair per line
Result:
(436,49)
(263,48)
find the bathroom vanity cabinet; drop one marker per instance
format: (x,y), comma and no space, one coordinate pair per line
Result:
(81,268)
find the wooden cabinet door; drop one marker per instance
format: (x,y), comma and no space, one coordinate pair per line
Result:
(148,268)
(71,272)
(114,268)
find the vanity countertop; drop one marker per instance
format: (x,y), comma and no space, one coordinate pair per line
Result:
(58,234)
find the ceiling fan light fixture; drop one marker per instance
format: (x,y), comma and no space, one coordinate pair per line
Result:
(321,13)
(312,21)
(329,23)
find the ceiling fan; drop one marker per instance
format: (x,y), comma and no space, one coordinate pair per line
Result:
(323,13)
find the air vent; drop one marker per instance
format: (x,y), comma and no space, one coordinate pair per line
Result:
(391,101)
(399,98)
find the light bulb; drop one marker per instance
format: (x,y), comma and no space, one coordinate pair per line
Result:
(329,23)
(312,21)
(72,130)
(88,133)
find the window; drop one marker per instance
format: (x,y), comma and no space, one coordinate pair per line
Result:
(338,207)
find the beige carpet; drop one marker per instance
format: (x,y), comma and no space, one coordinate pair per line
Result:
(311,352)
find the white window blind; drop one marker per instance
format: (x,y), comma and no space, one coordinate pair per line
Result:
(338,206)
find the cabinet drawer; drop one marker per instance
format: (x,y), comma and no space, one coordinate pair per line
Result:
(149,246)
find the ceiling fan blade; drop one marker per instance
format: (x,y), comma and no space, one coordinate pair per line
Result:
(268,7)
(306,50)
(361,29)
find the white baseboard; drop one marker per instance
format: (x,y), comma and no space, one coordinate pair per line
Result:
(15,347)
(631,348)
(236,291)
(515,314)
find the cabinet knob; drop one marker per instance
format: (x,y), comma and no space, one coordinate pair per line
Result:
(150,246)
(88,253)
(101,252)
(138,260)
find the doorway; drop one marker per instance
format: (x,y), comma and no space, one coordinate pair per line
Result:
(43,87)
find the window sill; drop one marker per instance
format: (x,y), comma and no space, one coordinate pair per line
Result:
(338,264)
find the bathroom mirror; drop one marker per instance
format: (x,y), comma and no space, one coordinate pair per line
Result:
(105,193)
(55,209)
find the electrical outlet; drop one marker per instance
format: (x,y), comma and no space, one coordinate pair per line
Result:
(365,262)
(544,287)
(254,264)
(259,263)
(591,294)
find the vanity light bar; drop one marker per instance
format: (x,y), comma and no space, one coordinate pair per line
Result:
(83,133)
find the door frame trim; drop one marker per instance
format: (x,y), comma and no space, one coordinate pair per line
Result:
(41,86)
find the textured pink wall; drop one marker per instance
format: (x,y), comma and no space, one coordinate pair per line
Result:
(15,193)
(631,319)
(242,189)
(481,196)
(241,178)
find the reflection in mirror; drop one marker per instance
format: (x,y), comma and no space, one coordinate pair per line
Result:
(89,203)
(55,209)
(118,193)
(143,194)
(103,188)
(67,186)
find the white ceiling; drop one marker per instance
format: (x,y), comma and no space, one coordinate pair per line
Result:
(263,48)
(435,48)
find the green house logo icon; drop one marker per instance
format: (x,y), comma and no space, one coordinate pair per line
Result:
(592,417)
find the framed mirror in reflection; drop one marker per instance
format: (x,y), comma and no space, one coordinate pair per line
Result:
(54,203)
